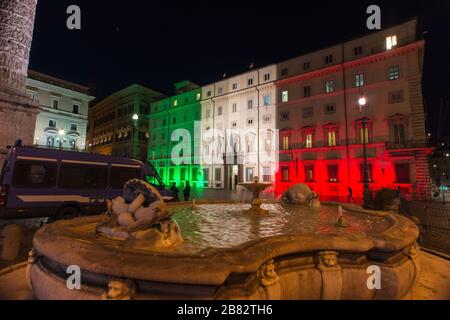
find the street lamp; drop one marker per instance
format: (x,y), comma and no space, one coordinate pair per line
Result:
(135,117)
(366,193)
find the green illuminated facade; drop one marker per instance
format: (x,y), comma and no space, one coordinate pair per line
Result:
(168,115)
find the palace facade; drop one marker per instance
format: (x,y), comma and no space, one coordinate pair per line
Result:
(301,121)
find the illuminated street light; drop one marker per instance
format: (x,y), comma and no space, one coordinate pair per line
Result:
(135,117)
(362,101)
(366,193)
(61,132)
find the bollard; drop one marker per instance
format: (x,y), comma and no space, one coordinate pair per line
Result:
(12,239)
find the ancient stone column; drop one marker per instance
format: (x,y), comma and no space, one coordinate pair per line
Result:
(17,111)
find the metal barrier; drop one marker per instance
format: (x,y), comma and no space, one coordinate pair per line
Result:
(432,217)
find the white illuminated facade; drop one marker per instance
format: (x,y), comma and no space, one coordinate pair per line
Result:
(235,112)
(63,111)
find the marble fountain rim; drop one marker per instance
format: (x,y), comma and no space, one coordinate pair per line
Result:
(214,265)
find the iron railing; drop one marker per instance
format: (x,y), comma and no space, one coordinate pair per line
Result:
(433,218)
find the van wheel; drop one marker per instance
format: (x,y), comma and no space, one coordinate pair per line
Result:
(66,213)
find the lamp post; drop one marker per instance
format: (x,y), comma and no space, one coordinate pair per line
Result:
(366,193)
(134,148)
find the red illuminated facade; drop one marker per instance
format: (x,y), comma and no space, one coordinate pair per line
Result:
(321,131)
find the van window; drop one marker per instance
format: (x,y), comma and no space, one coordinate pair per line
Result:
(34,174)
(82,177)
(121,175)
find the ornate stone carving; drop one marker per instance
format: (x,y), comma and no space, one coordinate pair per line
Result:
(32,257)
(412,252)
(119,290)
(267,275)
(327,260)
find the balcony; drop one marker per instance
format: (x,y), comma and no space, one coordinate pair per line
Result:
(409,144)
(51,130)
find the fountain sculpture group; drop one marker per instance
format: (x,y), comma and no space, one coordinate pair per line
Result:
(129,253)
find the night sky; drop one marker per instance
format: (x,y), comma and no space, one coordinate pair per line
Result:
(156,43)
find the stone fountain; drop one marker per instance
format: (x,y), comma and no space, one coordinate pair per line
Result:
(294,252)
(256,188)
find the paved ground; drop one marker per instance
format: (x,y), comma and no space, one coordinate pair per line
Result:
(434,283)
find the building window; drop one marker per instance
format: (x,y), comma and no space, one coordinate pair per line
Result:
(32,94)
(175,103)
(235,86)
(329,59)
(308,112)
(369,172)
(76,108)
(199,96)
(250,81)
(391,42)
(267,177)
(308,140)
(285,143)
(329,86)
(267,100)
(402,173)
(218,174)
(209,93)
(234,107)
(358,51)
(219,111)
(267,77)
(306,65)
(396,97)
(174,120)
(164,122)
(266,119)
(234,124)
(307,91)
(206,174)
(249,174)
(284,72)
(399,134)
(185,118)
(359,80)
(394,72)
(50,142)
(333,173)
(219,91)
(309,173)
(364,135)
(285,96)
(285,177)
(250,122)
(330,131)
(73,127)
(284,116)
(208,113)
(55,103)
(330,108)
(331,138)
(52,123)
(171,173)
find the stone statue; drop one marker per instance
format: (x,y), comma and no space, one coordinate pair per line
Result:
(267,275)
(327,260)
(140,217)
(119,290)
(301,194)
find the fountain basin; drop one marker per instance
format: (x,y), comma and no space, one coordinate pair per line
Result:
(314,263)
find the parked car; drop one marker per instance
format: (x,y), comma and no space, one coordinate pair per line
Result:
(39,182)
